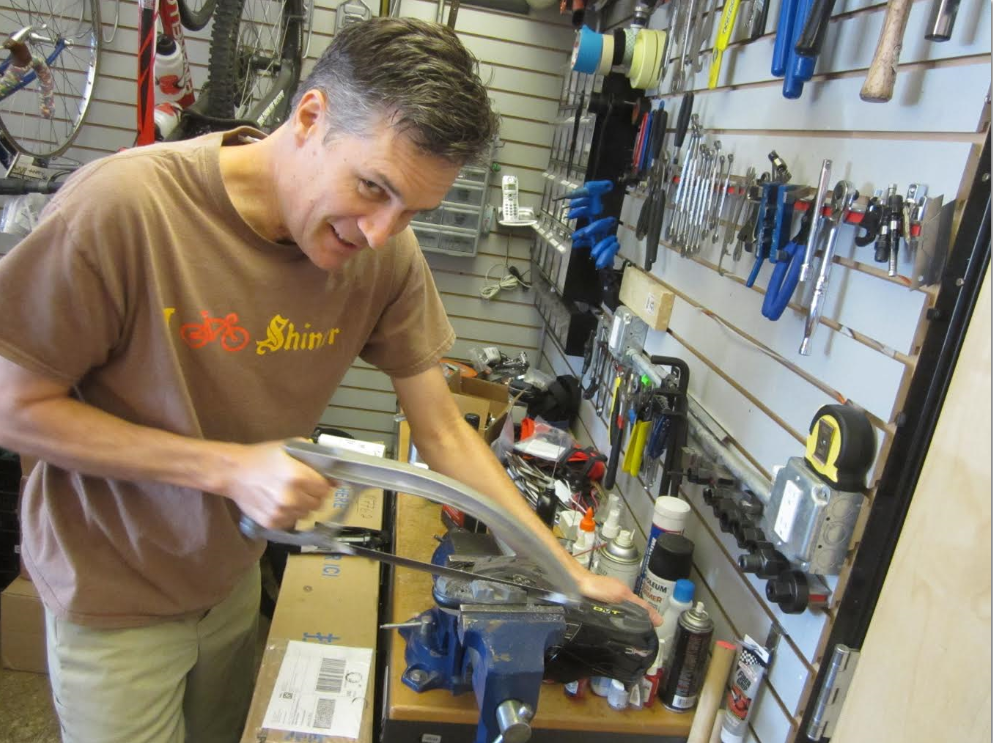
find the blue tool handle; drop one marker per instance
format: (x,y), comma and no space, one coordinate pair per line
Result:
(785,278)
(784,37)
(793,82)
(755,269)
(597,188)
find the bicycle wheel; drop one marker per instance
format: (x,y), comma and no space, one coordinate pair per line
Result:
(254,67)
(195,14)
(41,114)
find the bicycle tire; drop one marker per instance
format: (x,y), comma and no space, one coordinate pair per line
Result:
(227,69)
(75,72)
(195,19)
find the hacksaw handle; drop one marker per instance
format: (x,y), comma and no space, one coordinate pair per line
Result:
(879,82)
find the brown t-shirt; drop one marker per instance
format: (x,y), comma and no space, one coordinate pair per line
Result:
(144,289)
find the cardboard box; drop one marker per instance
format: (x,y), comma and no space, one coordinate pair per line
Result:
(22,628)
(329,599)
(490,400)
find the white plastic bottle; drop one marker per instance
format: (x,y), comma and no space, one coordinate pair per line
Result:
(582,549)
(170,78)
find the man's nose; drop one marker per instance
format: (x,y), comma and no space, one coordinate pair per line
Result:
(381,225)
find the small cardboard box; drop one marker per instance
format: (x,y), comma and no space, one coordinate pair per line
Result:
(491,398)
(328,599)
(22,628)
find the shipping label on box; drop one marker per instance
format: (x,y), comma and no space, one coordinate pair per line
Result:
(327,600)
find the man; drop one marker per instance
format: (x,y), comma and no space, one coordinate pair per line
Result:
(180,311)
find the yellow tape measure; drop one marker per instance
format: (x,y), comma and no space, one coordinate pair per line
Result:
(841,446)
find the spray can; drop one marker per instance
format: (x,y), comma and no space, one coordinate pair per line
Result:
(680,600)
(606,531)
(620,559)
(668,517)
(671,559)
(753,659)
(689,660)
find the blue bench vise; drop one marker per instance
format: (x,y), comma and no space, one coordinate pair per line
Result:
(501,642)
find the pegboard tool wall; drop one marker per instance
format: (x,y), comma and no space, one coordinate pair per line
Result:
(746,370)
(522,60)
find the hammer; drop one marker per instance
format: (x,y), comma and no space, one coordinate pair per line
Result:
(878,86)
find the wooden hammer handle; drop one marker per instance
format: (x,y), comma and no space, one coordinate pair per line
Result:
(878,86)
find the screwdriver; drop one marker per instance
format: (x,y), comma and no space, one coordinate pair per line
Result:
(723,39)
(682,123)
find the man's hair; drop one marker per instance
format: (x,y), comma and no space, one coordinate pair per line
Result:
(414,74)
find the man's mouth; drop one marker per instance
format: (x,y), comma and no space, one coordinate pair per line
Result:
(343,241)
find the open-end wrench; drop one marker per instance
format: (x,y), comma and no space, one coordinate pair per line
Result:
(682,188)
(689,196)
(699,199)
(726,184)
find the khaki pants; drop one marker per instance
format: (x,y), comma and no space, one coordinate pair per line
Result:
(188,680)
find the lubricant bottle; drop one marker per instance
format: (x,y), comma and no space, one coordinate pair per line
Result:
(582,550)
(668,517)
(671,559)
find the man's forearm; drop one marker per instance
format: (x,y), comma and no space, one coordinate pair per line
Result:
(76,436)
(466,457)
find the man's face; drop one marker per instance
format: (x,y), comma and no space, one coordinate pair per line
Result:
(354,193)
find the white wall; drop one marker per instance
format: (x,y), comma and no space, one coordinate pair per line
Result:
(745,370)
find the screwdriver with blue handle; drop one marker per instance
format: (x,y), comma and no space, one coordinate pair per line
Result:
(586,202)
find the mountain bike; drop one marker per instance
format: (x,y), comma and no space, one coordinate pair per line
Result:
(256,54)
(47,80)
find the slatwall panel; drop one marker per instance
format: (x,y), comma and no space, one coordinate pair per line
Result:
(522,58)
(745,370)
(522,61)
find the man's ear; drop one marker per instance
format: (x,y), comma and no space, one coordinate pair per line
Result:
(308,117)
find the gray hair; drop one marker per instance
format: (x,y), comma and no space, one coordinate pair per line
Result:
(417,75)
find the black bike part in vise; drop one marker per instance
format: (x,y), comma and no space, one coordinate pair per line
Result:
(613,640)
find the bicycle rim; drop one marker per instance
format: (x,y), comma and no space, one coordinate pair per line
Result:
(68,35)
(253,45)
(195,13)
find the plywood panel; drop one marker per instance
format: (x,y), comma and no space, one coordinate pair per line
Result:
(940,660)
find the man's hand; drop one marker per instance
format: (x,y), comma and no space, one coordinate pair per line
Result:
(272,487)
(612,591)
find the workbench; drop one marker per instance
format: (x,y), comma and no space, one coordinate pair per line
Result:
(410,717)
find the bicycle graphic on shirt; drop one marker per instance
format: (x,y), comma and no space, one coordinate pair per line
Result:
(232,336)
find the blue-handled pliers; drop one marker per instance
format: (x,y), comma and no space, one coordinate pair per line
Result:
(786,274)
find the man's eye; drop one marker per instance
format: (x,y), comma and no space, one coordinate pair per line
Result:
(371,186)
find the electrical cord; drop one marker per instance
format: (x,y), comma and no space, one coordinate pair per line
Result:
(510,280)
